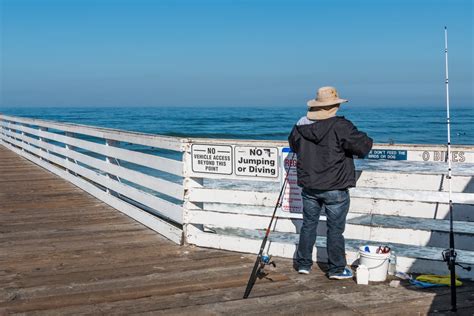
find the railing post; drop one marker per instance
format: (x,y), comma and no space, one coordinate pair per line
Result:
(111,160)
(22,134)
(9,129)
(41,139)
(70,147)
(2,129)
(189,183)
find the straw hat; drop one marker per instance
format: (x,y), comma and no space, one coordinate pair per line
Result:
(326,96)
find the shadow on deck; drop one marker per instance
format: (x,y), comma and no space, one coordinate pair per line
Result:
(65,252)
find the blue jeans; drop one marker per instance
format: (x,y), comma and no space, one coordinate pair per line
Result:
(336,205)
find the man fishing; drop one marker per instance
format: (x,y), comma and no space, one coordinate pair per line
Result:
(325,145)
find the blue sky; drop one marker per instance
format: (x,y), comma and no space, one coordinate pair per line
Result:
(233,53)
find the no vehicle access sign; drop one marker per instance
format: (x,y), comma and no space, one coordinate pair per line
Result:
(215,159)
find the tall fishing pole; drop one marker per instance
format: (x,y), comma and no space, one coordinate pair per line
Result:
(449,255)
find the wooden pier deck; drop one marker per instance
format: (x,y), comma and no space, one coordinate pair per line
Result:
(64,252)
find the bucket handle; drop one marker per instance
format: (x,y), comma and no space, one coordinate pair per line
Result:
(358,254)
(378,266)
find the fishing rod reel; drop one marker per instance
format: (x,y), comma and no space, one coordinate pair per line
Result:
(449,256)
(265,260)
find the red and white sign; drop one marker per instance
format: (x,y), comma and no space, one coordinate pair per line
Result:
(292,201)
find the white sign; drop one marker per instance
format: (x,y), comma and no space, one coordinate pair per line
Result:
(216,159)
(440,156)
(292,201)
(256,161)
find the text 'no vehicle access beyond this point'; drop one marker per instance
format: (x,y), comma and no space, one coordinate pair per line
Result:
(216,159)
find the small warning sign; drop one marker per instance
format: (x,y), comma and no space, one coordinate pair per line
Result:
(216,159)
(394,154)
(292,201)
(256,161)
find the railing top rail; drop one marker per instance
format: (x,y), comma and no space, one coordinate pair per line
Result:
(271,143)
(159,141)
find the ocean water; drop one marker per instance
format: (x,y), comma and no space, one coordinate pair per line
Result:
(423,125)
(403,125)
(410,125)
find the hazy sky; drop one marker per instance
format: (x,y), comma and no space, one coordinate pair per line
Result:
(231,53)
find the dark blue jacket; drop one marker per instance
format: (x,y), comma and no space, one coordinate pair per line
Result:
(325,150)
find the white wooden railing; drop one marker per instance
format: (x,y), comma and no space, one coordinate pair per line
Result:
(95,160)
(228,209)
(399,206)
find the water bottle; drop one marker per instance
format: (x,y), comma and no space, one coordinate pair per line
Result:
(392,263)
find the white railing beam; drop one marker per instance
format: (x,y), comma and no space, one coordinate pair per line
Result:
(164,142)
(151,161)
(166,187)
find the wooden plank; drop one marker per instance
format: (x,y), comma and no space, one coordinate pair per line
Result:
(45,233)
(382,229)
(269,198)
(233,197)
(413,223)
(69,262)
(412,195)
(414,181)
(128,288)
(158,303)
(462,212)
(293,303)
(150,265)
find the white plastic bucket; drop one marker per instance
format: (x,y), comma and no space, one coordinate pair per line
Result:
(376,263)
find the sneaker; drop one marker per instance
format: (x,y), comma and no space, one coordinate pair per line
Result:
(346,274)
(303,271)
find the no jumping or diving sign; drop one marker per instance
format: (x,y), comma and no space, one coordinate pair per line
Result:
(256,161)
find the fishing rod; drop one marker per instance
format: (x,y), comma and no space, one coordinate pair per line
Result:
(449,255)
(263,260)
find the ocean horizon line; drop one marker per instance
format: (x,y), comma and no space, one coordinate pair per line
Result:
(279,106)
